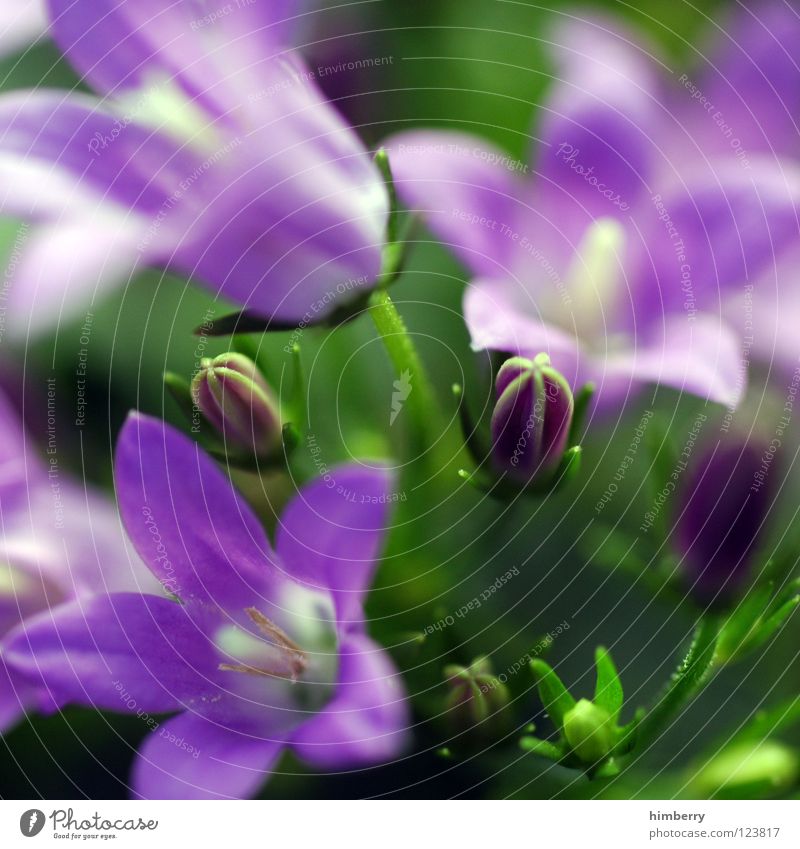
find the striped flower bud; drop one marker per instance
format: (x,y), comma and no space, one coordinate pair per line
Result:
(531,420)
(233,395)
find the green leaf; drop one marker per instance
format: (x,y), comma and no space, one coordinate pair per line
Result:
(541,747)
(741,622)
(179,389)
(555,697)
(773,624)
(608,693)
(687,680)
(583,398)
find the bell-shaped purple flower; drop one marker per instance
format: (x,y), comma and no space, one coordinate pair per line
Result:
(58,542)
(230,391)
(637,213)
(531,420)
(211,152)
(722,507)
(254,649)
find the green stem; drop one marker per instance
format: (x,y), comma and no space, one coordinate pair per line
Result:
(422,405)
(687,681)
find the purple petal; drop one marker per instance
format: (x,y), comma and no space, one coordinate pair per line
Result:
(188,757)
(121,44)
(701,357)
(16,694)
(728,226)
(753,81)
(297,225)
(331,534)
(466,189)
(597,133)
(186,519)
(122,652)
(367,721)
(93,187)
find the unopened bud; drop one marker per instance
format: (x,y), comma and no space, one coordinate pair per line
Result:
(531,420)
(477,698)
(722,508)
(589,730)
(233,395)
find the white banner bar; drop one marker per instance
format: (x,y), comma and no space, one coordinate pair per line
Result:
(401,824)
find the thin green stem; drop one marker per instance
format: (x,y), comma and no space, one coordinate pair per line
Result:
(421,403)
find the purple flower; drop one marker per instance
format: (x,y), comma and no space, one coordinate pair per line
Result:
(58,542)
(722,508)
(256,649)
(615,247)
(212,154)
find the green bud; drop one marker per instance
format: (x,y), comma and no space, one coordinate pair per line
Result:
(476,701)
(749,770)
(589,730)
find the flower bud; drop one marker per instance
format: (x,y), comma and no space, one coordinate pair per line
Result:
(589,730)
(722,507)
(476,699)
(749,770)
(233,395)
(531,420)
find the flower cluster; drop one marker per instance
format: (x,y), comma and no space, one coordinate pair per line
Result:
(224,599)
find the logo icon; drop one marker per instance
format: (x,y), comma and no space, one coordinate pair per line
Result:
(402,389)
(31,822)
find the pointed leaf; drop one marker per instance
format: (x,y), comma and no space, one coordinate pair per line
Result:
(541,747)
(555,697)
(608,693)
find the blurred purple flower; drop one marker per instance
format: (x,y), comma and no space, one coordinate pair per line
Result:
(616,247)
(260,649)
(58,542)
(722,509)
(21,23)
(212,153)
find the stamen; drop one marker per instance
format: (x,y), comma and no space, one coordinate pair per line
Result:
(296,659)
